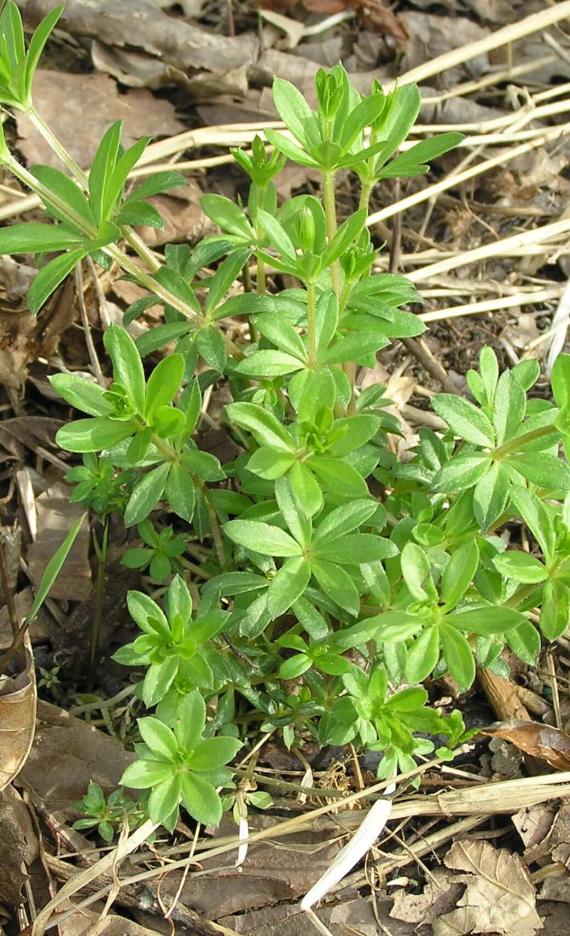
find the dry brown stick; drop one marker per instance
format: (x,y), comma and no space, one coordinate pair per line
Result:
(503,696)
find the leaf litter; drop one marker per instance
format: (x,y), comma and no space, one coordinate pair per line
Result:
(483,885)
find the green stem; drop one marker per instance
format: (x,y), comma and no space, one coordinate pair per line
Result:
(261,271)
(521,441)
(102,551)
(312,324)
(330,215)
(365,192)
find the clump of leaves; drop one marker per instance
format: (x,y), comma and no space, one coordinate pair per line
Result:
(332,579)
(108,815)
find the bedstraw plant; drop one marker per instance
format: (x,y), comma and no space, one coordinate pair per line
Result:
(314,580)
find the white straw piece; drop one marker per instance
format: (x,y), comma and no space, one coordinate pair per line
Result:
(365,836)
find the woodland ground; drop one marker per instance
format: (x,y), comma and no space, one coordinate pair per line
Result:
(483,845)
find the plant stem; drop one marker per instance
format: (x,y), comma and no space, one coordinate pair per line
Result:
(330,215)
(102,551)
(521,441)
(312,324)
(365,192)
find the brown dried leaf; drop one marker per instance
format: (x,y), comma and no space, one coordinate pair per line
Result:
(439,896)
(542,741)
(18,845)
(55,517)
(499,898)
(66,754)
(431,36)
(138,24)
(18,699)
(97,96)
(182,215)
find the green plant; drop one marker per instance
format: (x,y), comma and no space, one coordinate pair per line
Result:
(108,815)
(333,578)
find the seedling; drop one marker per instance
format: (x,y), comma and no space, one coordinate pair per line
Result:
(335,579)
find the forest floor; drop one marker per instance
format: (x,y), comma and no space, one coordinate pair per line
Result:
(482,845)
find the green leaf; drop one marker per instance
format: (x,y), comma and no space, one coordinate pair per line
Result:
(144,774)
(227,215)
(356,549)
(537,518)
(416,569)
(67,191)
(212,347)
(344,237)
(486,620)
(458,656)
(337,585)
(83,394)
(180,493)
(101,172)
(93,435)
(288,148)
(270,463)
(288,585)
(491,495)
(164,799)
(263,425)
(294,111)
(547,471)
(190,719)
(305,488)
(281,334)
(36,47)
(159,738)
(201,800)
(269,364)
(50,276)
(127,365)
(461,473)
(163,384)
(509,407)
(555,614)
(423,655)
(338,476)
(343,520)
(53,568)
(520,566)
(459,573)
(298,522)
(261,538)
(560,380)
(524,640)
(214,752)
(158,680)
(146,494)
(464,419)
(294,666)
(415,160)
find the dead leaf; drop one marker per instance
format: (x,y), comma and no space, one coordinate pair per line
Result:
(439,896)
(499,897)
(431,36)
(18,845)
(86,923)
(555,846)
(66,754)
(56,514)
(293,29)
(18,698)
(374,15)
(541,741)
(139,24)
(97,96)
(533,823)
(182,215)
